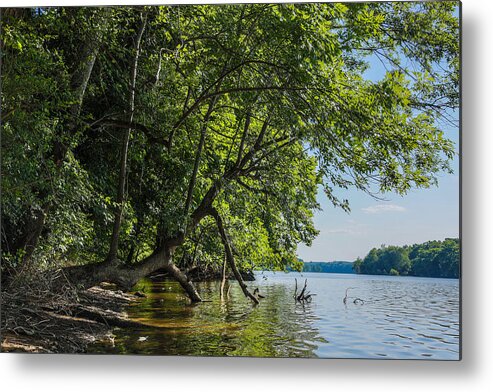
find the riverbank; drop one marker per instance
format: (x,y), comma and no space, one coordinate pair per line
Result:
(38,319)
(63,323)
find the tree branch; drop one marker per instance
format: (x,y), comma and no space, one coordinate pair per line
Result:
(135,126)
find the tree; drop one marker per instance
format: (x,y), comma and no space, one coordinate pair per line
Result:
(240,113)
(42,98)
(438,259)
(125,142)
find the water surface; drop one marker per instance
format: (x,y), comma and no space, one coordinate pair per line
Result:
(401,318)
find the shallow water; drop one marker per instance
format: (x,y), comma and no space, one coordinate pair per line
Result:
(401,317)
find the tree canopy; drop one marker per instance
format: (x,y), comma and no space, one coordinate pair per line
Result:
(211,127)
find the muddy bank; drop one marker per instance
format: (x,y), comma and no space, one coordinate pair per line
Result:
(62,323)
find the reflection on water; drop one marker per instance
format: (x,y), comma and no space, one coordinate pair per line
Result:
(402,317)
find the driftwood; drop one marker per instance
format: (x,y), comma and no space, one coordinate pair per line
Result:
(304,296)
(356,300)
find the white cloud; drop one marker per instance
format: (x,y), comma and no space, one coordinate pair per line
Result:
(340,231)
(381,208)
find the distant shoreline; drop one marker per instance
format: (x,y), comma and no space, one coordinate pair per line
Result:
(355,268)
(359,274)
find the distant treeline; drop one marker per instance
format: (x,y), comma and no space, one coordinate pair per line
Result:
(338,267)
(438,259)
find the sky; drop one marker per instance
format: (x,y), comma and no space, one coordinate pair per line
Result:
(421,215)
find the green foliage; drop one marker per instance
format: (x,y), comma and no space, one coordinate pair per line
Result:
(338,267)
(276,90)
(438,259)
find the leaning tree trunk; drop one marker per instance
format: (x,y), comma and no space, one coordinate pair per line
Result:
(229,255)
(126,276)
(120,199)
(198,155)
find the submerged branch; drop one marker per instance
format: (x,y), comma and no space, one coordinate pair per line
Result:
(304,296)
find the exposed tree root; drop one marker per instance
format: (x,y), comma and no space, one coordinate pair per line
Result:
(34,319)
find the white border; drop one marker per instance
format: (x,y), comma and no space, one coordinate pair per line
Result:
(474,373)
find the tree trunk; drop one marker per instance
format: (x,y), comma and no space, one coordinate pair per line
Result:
(126,276)
(31,233)
(120,199)
(79,81)
(198,156)
(229,255)
(181,278)
(223,278)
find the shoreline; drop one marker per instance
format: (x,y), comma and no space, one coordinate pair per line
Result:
(36,320)
(61,325)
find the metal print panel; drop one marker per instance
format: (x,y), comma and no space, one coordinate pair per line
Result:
(266,180)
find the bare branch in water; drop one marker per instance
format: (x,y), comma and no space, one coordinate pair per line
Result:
(304,296)
(356,300)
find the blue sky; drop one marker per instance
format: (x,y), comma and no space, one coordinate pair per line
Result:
(421,215)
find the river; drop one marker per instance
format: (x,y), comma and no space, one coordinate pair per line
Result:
(400,318)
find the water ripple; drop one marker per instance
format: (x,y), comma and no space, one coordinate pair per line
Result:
(402,317)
